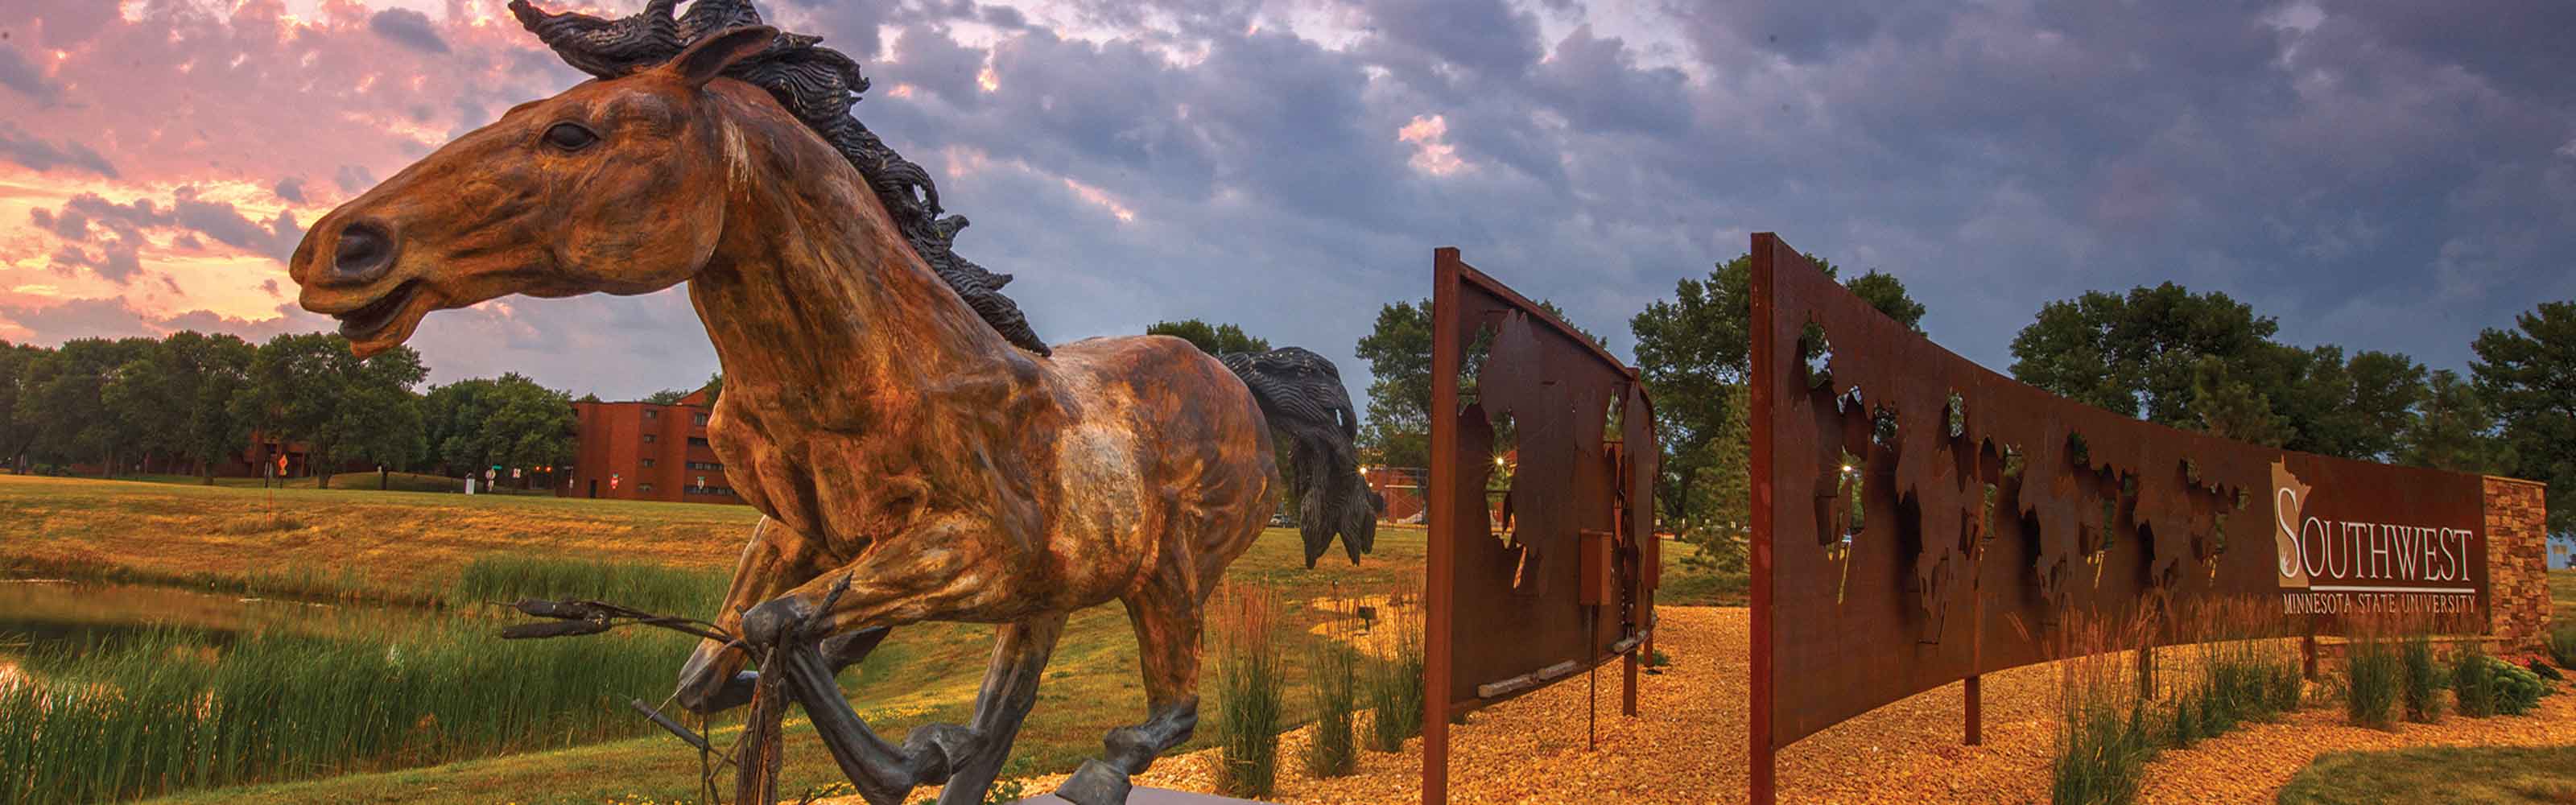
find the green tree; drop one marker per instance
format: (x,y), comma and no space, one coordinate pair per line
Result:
(666,396)
(2355,409)
(17,362)
(506,422)
(70,409)
(2137,354)
(217,368)
(2528,375)
(2231,408)
(1396,431)
(2146,354)
(2454,430)
(376,418)
(1695,352)
(1217,339)
(288,391)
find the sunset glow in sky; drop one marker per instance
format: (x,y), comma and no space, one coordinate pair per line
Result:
(2380,176)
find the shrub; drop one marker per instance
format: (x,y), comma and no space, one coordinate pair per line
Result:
(2102,755)
(2472,684)
(2562,645)
(2186,721)
(2422,686)
(1249,703)
(2518,690)
(1330,683)
(2103,742)
(2372,683)
(1392,685)
(2288,682)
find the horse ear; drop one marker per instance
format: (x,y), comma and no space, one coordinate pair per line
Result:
(708,57)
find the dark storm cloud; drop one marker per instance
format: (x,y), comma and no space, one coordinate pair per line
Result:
(37,153)
(104,236)
(2379,174)
(290,189)
(353,179)
(408,28)
(219,220)
(118,318)
(17,73)
(1486,37)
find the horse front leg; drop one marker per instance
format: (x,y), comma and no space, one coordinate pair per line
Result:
(931,572)
(777,559)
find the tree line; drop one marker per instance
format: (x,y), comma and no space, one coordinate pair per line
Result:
(192,401)
(2199,361)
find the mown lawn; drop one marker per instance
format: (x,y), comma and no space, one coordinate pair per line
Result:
(2447,774)
(408,546)
(2562,592)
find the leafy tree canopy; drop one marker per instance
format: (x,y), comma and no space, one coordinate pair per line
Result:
(1213,339)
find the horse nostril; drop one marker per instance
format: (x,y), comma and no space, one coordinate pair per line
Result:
(365,252)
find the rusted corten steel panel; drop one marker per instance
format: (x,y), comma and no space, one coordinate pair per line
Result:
(1574,430)
(2095,516)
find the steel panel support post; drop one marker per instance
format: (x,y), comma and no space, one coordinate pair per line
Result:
(1439,570)
(1761,788)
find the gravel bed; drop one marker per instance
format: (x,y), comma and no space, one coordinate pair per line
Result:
(1688,744)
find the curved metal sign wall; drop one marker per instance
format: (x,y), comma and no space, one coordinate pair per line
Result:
(1919,519)
(1542,556)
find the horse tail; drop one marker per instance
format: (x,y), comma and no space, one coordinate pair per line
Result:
(1301,395)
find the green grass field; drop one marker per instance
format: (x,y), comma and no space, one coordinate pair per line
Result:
(2497,775)
(359,543)
(2562,593)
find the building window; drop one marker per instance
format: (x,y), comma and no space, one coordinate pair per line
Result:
(651,414)
(705,465)
(644,487)
(648,463)
(709,490)
(648,438)
(701,419)
(697,441)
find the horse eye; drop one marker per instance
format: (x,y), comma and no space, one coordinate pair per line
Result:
(569,137)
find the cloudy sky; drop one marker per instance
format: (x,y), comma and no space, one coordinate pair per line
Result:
(2382,175)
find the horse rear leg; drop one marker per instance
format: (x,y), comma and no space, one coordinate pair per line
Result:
(1010,687)
(1166,616)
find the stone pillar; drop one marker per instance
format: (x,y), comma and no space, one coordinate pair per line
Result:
(2517,563)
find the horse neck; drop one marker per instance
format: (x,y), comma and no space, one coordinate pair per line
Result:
(813,295)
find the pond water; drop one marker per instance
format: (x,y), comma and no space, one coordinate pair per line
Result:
(43,615)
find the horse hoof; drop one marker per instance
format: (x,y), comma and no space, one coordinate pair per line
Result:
(1096,783)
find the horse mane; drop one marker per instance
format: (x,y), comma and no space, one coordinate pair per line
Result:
(816,84)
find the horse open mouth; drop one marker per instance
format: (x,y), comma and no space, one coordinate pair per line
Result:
(376,316)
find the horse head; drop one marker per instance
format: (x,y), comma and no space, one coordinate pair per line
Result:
(614,186)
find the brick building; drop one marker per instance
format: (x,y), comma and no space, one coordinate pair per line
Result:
(646,451)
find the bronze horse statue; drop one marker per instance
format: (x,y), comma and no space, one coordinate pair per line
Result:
(917,453)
